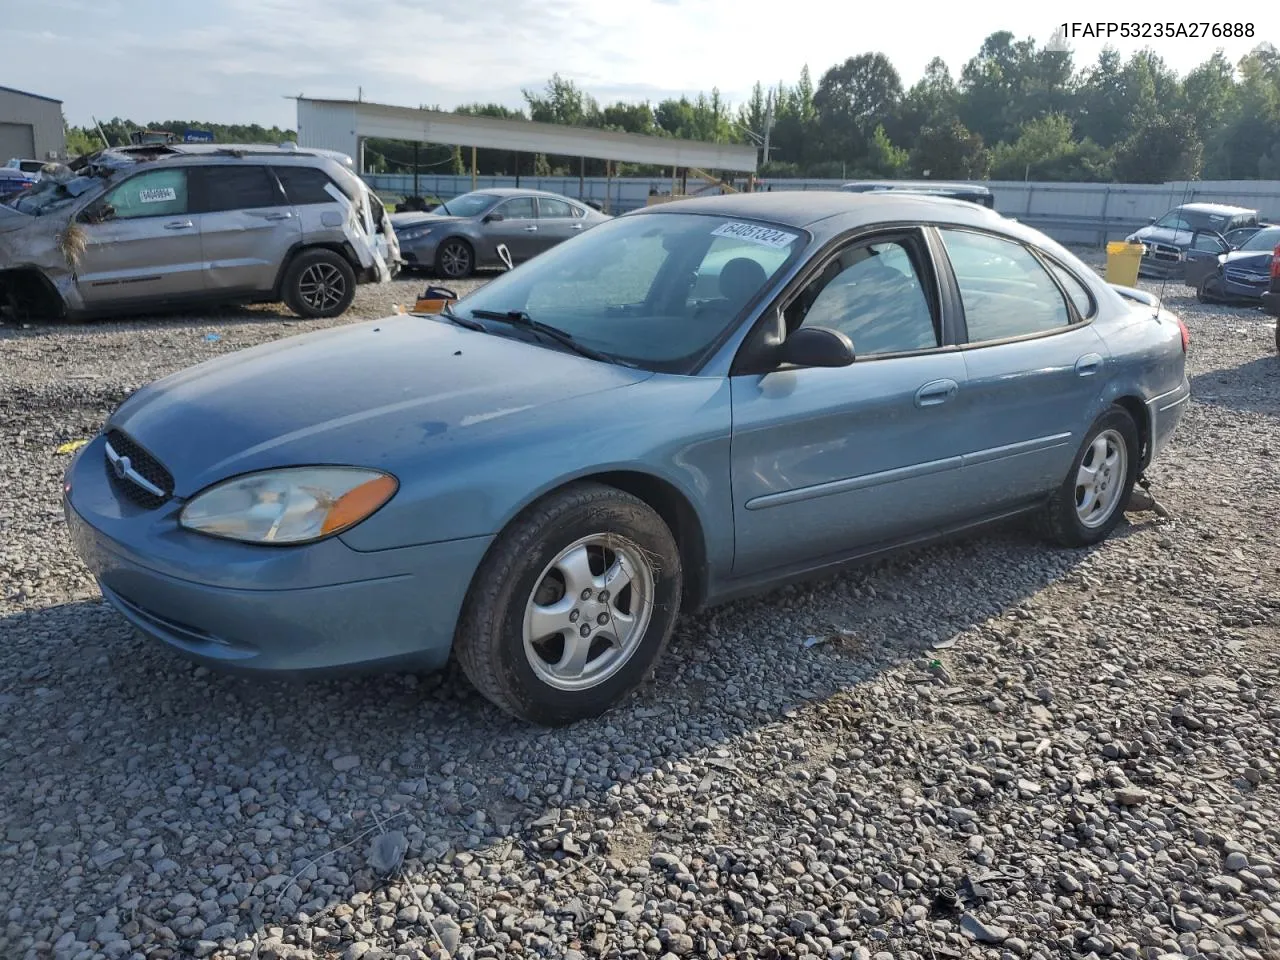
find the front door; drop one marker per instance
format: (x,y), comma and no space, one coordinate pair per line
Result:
(247,226)
(827,462)
(142,243)
(1034,366)
(518,229)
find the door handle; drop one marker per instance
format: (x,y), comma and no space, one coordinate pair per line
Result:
(576,226)
(532,228)
(279,215)
(935,392)
(1088,365)
(179,225)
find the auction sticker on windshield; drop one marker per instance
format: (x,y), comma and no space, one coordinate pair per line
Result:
(765,236)
(157,195)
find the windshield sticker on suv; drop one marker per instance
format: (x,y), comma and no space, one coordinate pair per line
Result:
(157,195)
(753,232)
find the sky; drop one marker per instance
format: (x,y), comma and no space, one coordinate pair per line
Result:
(228,61)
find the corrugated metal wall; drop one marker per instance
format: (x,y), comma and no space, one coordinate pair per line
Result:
(44,117)
(1069,212)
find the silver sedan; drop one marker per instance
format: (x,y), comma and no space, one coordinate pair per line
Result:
(463,234)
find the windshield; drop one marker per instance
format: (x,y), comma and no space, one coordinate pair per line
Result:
(49,195)
(1192,220)
(654,290)
(467,205)
(1263,240)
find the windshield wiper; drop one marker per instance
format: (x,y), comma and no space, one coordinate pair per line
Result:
(460,320)
(445,207)
(518,318)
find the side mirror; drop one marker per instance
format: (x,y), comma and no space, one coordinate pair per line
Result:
(1151,219)
(492,217)
(99,213)
(815,347)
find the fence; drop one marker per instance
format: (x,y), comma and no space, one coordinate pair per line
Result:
(1078,213)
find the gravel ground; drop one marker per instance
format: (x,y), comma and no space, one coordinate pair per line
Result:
(1083,746)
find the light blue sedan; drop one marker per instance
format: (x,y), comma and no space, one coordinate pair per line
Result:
(690,402)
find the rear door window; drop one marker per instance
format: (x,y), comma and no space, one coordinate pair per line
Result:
(235,187)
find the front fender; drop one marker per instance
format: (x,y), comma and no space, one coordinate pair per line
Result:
(675,429)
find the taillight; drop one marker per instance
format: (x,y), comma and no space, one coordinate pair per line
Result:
(1275,262)
(1186,335)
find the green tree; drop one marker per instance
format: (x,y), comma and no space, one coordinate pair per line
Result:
(950,152)
(852,99)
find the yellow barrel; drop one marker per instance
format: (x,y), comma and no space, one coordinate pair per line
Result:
(1123,260)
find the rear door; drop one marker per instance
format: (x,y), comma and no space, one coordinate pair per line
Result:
(142,243)
(1034,367)
(247,226)
(557,222)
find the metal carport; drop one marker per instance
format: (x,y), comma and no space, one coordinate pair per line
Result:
(343,125)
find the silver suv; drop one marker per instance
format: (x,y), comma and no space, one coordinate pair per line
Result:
(167,225)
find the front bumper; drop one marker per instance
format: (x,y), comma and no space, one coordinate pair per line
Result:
(319,607)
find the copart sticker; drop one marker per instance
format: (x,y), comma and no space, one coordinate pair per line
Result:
(765,236)
(157,195)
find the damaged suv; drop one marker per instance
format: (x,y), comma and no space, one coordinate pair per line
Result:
(160,226)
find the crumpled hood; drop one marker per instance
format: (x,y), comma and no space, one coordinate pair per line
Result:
(11,219)
(374,394)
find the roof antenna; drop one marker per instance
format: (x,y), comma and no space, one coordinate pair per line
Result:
(1164,282)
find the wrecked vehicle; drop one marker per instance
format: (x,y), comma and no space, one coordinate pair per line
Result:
(1224,273)
(169,225)
(1166,241)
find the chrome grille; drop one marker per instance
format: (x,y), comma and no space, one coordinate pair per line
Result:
(135,473)
(1248,279)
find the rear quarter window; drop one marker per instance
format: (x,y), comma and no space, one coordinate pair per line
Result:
(305,185)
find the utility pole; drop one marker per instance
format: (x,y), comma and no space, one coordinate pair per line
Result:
(768,127)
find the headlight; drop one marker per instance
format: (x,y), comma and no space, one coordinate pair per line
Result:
(289,506)
(413,233)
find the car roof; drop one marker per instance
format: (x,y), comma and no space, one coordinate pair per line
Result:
(1224,208)
(931,185)
(522,192)
(837,210)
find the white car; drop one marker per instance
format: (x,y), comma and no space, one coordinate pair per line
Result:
(31,168)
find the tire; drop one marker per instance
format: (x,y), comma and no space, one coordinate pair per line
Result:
(526,577)
(1062,520)
(1202,292)
(455,259)
(1278,335)
(319,284)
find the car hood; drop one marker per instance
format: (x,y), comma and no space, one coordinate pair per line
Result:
(1177,238)
(376,394)
(403,220)
(1251,261)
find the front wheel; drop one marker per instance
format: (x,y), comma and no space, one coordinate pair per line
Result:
(455,260)
(1092,498)
(572,607)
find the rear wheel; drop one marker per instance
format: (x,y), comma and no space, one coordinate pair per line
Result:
(572,607)
(319,284)
(1092,498)
(455,259)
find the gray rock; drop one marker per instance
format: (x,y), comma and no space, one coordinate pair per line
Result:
(983,932)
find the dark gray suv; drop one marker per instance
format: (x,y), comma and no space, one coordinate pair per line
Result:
(166,225)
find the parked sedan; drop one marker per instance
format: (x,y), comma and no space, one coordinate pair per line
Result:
(541,478)
(463,234)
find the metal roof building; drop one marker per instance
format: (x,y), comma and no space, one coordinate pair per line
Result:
(342,124)
(31,127)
